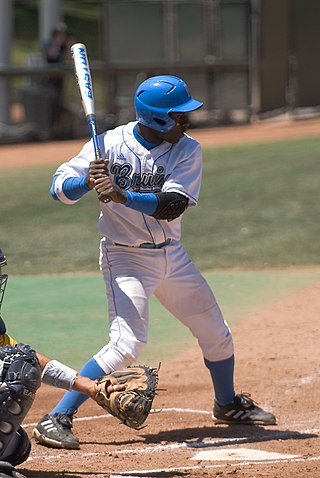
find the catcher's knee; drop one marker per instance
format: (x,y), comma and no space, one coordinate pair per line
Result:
(18,450)
(20,379)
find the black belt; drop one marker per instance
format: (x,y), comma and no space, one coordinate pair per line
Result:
(147,245)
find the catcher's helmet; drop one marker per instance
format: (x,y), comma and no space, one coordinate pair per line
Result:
(3,284)
(158,96)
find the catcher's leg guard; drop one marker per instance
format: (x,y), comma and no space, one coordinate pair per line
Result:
(18,450)
(8,471)
(21,377)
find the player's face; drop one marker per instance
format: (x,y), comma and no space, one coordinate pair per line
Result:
(176,133)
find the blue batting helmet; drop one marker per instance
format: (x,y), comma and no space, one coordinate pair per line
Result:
(158,96)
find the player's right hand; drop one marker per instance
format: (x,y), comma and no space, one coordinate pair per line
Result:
(97,169)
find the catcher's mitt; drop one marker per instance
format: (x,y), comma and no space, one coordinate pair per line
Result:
(132,405)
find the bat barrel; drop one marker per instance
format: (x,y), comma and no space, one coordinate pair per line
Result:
(83,76)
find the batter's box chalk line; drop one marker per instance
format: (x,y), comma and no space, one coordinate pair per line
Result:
(158,473)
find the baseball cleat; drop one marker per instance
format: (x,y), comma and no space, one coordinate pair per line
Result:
(8,471)
(242,411)
(55,431)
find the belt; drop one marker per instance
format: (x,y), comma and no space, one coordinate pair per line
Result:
(147,245)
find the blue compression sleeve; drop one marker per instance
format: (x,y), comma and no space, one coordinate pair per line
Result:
(72,400)
(142,202)
(52,191)
(74,188)
(222,378)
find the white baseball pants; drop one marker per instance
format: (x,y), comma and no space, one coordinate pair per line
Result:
(132,275)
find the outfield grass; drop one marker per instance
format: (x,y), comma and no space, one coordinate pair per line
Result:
(259,208)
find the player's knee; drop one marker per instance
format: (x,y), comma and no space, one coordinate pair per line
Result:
(18,450)
(129,351)
(134,349)
(219,348)
(20,377)
(119,355)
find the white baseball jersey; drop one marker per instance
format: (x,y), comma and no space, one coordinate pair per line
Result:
(133,274)
(167,167)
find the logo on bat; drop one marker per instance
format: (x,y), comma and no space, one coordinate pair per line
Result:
(86,73)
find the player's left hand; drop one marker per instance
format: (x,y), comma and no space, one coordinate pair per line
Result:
(108,191)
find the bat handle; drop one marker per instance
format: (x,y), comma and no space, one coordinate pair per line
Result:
(97,150)
(94,135)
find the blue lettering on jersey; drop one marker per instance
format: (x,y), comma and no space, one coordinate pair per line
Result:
(147,181)
(122,175)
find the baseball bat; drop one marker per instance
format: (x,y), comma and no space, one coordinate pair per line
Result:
(83,77)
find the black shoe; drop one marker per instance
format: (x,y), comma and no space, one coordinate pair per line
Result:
(8,471)
(242,411)
(55,431)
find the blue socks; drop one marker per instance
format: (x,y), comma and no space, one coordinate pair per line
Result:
(222,373)
(72,400)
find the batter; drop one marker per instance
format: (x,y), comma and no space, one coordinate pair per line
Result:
(151,175)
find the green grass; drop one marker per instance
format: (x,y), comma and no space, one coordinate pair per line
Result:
(259,208)
(66,316)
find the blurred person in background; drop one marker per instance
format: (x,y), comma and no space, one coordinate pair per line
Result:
(56,51)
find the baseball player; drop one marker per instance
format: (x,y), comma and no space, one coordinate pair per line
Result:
(150,175)
(21,372)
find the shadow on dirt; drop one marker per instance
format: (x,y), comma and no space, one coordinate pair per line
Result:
(205,437)
(155,474)
(226,435)
(65,474)
(50,474)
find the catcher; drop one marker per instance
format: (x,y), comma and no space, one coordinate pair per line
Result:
(126,394)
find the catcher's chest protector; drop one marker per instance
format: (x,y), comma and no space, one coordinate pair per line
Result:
(20,379)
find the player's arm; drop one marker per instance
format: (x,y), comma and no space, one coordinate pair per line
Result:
(60,375)
(162,205)
(69,186)
(73,187)
(75,178)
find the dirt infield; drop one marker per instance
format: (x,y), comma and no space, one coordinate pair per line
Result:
(277,361)
(58,151)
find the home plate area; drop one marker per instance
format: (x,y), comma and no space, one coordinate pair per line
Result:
(197,451)
(222,459)
(231,459)
(242,454)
